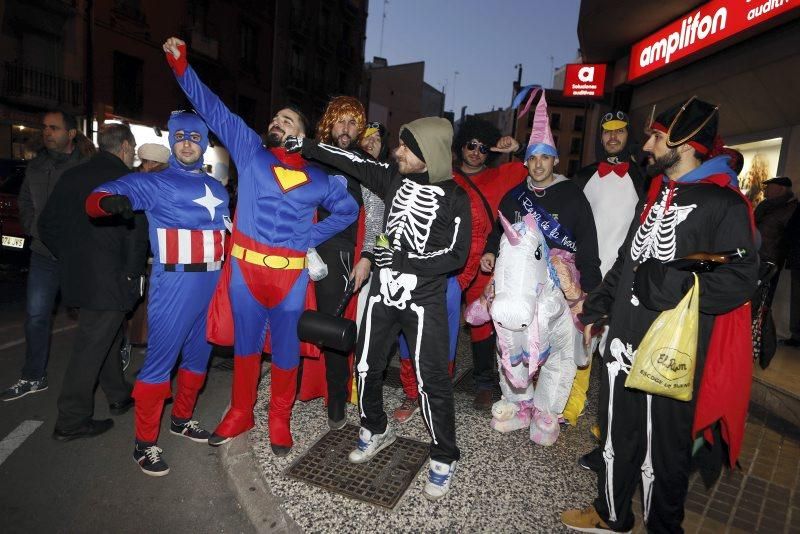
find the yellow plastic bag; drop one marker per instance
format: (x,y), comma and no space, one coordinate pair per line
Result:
(666,358)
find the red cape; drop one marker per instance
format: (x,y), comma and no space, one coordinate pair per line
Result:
(724,391)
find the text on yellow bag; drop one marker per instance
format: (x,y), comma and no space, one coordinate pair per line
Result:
(665,361)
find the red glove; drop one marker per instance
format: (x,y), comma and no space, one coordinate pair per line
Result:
(178,65)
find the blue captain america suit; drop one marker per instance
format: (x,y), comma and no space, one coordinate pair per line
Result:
(187,211)
(278,197)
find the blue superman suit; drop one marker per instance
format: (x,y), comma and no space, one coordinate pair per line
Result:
(274,227)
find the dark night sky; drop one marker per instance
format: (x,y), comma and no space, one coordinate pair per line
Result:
(481,39)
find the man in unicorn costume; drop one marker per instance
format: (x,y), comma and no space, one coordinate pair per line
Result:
(555,207)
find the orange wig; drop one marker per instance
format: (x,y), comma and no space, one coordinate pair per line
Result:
(337,108)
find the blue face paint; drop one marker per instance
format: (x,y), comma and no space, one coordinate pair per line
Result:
(188,123)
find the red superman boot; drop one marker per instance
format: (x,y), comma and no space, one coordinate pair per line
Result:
(239,417)
(181,423)
(283,389)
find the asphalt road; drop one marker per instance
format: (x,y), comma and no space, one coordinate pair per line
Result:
(93,485)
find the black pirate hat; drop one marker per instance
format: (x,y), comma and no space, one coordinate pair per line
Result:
(693,122)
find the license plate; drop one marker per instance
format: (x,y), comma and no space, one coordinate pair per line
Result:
(13,242)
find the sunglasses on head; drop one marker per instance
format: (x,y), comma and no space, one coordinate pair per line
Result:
(472,145)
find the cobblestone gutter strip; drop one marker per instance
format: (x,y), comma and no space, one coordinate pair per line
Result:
(246,479)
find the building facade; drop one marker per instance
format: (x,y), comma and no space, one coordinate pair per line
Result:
(744,56)
(102,59)
(398,94)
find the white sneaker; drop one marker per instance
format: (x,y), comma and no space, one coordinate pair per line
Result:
(439,477)
(370,444)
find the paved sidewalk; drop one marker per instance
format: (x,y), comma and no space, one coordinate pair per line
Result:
(506,483)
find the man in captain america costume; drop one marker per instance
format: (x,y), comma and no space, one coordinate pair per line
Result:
(278,198)
(187,211)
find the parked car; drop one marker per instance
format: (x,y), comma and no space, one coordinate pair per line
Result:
(14,241)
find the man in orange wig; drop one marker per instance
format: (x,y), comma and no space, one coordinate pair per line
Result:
(342,125)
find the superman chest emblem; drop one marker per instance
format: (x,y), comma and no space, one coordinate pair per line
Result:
(289,179)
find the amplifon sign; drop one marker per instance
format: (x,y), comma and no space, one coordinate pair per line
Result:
(584,79)
(701,28)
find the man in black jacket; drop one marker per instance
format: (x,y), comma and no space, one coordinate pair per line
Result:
(101,264)
(60,152)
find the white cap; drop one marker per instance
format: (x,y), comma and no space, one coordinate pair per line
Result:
(154,152)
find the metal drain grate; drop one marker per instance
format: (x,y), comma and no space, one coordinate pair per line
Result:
(381,481)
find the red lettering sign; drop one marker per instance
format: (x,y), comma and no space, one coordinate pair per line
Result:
(582,79)
(699,29)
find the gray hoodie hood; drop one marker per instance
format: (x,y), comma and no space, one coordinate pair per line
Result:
(434,136)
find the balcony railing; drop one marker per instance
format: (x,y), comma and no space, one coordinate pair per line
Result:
(21,82)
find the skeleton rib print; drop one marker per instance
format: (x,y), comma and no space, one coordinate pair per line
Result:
(656,237)
(412,213)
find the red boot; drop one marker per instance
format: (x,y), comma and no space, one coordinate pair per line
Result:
(239,418)
(282,394)
(408,378)
(149,404)
(189,386)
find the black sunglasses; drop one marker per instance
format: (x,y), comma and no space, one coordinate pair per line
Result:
(472,145)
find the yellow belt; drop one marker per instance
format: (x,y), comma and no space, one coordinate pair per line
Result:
(268,260)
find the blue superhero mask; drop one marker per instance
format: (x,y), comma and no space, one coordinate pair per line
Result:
(194,130)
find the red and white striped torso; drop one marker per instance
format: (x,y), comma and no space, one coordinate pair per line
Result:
(181,246)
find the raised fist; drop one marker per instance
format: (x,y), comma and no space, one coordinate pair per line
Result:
(117,205)
(293,144)
(175,49)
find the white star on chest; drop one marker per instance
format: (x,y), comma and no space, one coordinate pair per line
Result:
(209,201)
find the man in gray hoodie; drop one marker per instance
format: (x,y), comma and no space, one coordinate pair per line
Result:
(428,233)
(59,130)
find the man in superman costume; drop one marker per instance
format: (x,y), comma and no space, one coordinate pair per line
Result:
(693,205)
(187,210)
(267,279)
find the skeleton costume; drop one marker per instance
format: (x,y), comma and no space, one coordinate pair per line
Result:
(427,222)
(648,438)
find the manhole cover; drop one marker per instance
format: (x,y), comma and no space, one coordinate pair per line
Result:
(381,481)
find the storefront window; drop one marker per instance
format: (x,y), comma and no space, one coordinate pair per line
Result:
(761,159)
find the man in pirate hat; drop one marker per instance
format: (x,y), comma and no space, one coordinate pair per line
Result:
(693,204)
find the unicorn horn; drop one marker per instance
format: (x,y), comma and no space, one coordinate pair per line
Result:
(511,234)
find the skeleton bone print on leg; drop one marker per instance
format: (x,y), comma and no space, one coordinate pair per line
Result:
(655,238)
(623,358)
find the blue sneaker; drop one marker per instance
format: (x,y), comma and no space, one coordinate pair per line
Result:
(369,444)
(440,475)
